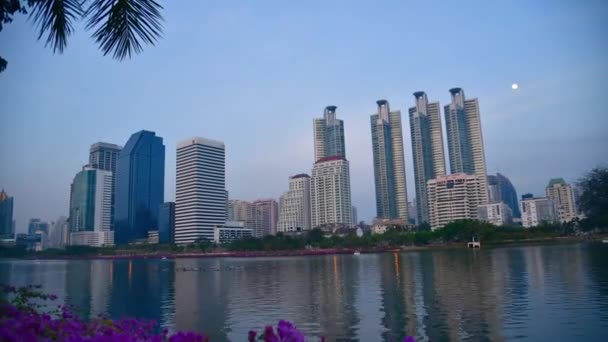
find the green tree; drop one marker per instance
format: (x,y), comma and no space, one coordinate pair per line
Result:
(594,198)
(119,27)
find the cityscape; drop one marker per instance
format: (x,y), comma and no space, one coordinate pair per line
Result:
(288,171)
(118,196)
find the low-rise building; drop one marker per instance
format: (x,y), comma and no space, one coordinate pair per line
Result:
(536,210)
(92,238)
(498,214)
(455,197)
(231,231)
(153,237)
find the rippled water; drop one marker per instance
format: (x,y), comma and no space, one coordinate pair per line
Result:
(533,293)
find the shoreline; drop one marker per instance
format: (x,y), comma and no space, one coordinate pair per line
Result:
(312,252)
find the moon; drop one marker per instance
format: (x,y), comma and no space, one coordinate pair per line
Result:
(514,86)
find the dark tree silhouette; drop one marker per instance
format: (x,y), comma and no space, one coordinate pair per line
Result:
(119,27)
(593,200)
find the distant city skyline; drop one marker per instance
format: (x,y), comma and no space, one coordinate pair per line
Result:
(226,86)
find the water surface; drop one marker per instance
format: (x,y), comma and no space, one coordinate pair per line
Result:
(528,293)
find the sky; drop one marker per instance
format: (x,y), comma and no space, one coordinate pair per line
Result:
(254,74)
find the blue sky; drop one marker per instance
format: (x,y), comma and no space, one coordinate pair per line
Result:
(255,73)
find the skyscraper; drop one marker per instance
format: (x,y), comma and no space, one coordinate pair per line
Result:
(266,217)
(91,208)
(103,156)
(389,163)
(294,205)
(500,189)
(427,148)
(330,192)
(562,195)
(200,189)
(6,216)
(465,139)
(454,197)
(139,187)
(166,222)
(355,217)
(329,135)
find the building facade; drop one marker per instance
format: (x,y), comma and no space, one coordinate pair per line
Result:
(537,210)
(230,232)
(200,189)
(500,189)
(498,214)
(59,235)
(91,208)
(562,195)
(389,163)
(6,216)
(427,149)
(104,156)
(294,205)
(455,197)
(266,217)
(166,222)
(465,138)
(355,217)
(139,187)
(329,135)
(36,224)
(330,192)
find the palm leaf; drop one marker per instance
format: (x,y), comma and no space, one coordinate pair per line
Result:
(122,25)
(55,19)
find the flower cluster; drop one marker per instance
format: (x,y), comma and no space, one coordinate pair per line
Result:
(22,320)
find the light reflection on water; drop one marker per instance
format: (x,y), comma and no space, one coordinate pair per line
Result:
(528,293)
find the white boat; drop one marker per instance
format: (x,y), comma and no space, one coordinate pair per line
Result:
(357,253)
(605,241)
(474,244)
(164,258)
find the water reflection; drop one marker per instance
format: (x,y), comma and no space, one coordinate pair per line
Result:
(529,293)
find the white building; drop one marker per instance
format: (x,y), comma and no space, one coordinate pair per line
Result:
(562,195)
(231,231)
(330,192)
(59,233)
(92,238)
(200,189)
(497,214)
(535,211)
(294,205)
(455,197)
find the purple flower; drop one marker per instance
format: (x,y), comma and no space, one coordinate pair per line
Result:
(409,339)
(269,335)
(251,336)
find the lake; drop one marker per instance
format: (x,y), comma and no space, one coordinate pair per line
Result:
(529,293)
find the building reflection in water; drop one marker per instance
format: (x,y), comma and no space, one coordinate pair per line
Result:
(490,294)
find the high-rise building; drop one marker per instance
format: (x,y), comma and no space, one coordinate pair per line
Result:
(330,192)
(200,189)
(497,214)
(465,139)
(36,225)
(294,205)
(355,217)
(91,208)
(329,135)
(6,216)
(427,148)
(242,211)
(389,163)
(59,235)
(537,210)
(562,195)
(500,189)
(104,156)
(266,217)
(139,187)
(455,197)
(166,222)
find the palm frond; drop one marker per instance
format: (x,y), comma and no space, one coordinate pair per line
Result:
(122,25)
(3,64)
(55,18)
